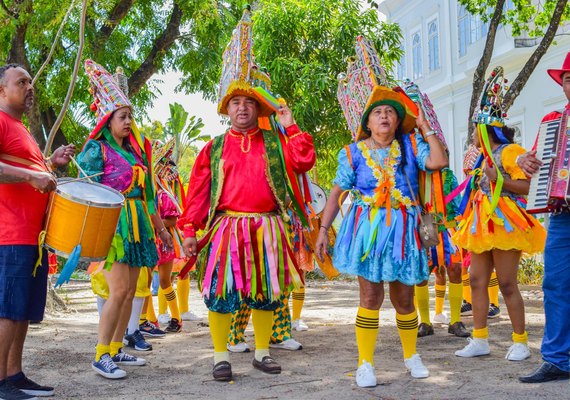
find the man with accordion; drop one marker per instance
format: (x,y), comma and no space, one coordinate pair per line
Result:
(550,192)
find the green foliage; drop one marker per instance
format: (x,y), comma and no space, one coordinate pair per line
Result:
(531,271)
(529,17)
(154,131)
(184,130)
(304,45)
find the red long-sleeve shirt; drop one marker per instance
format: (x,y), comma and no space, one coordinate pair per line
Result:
(245,186)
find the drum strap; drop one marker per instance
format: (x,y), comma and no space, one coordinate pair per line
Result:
(19,160)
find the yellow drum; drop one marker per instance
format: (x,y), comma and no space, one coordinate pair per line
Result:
(83,213)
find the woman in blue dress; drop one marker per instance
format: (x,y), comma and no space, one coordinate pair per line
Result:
(378,240)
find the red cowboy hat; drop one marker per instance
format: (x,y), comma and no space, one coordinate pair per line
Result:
(556,74)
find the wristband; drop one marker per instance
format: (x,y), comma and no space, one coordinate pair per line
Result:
(326,228)
(162,230)
(429,133)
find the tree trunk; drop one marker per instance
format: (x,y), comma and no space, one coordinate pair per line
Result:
(115,17)
(480,71)
(524,75)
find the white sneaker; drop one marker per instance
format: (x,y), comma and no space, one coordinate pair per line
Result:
(442,318)
(241,347)
(365,376)
(417,368)
(289,344)
(164,318)
(190,316)
(299,325)
(475,348)
(518,352)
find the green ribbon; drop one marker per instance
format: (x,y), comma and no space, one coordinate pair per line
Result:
(496,191)
(116,252)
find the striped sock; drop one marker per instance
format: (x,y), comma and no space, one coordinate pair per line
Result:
(494,289)
(439,297)
(408,330)
(298,296)
(183,293)
(482,333)
(367,322)
(170,296)
(422,298)
(454,302)
(466,287)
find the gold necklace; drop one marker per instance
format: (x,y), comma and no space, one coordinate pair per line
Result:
(243,137)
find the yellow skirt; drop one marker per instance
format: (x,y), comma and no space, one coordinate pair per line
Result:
(509,227)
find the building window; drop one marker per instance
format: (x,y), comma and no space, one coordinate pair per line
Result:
(463,30)
(401,67)
(417,55)
(433,45)
(478,28)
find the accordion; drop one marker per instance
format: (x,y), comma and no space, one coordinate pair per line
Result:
(550,186)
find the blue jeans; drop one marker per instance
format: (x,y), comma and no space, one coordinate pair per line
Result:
(556,284)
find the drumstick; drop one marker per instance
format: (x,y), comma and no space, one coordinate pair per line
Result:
(79,168)
(80,179)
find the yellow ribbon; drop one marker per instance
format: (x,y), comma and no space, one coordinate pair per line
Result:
(41,240)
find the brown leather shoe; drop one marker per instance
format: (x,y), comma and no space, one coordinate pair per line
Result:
(458,329)
(425,330)
(267,365)
(222,371)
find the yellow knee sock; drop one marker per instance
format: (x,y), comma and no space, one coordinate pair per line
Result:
(298,301)
(183,293)
(142,317)
(494,289)
(219,328)
(101,349)
(408,330)
(262,323)
(162,303)
(482,333)
(520,338)
(115,347)
(151,315)
(466,287)
(366,333)
(422,298)
(455,297)
(170,296)
(439,297)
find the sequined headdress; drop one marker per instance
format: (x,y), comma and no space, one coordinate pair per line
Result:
(365,84)
(240,73)
(491,110)
(107,94)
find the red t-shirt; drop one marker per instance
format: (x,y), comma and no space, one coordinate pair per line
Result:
(22,208)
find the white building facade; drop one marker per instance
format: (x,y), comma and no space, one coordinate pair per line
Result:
(442,46)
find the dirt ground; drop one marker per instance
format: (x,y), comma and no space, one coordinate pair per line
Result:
(59,352)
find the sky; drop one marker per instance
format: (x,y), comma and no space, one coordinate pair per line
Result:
(193,103)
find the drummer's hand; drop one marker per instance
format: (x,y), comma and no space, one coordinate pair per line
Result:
(190,246)
(166,239)
(62,155)
(322,244)
(285,116)
(42,181)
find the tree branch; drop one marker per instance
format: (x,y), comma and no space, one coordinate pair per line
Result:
(115,17)
(161,45)
(10,13)
(479,75)
(525,73)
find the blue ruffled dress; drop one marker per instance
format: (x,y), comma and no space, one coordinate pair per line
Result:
(366,245)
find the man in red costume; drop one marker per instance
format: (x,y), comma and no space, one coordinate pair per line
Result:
(25,181)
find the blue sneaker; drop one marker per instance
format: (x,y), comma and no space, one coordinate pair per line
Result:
(106,367)
(122,358)
(148,329)
(494,311)
(9,391)
(136,341)
(28,386)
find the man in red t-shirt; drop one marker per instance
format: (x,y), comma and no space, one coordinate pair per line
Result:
(25,181)
(555,347)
